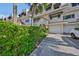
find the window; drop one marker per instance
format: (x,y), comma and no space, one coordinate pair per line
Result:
(69,16)
(75,4)
(54,16)
(77,29)
(36,19)
(27,20)
(72,16)
(49,7)
(57,5)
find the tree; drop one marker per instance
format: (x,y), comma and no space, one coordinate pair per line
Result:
(15,13)
(37,8)
(22,14)
(19,15)
(4,18)
(9,17)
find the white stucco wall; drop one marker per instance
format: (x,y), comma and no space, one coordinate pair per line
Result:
(27,21)
(41,21)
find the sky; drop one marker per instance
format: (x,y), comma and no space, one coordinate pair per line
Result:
(6,8)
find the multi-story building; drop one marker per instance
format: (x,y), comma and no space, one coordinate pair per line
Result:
(60,18)
(24,18)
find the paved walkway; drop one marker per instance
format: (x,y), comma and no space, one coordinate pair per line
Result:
(56,45)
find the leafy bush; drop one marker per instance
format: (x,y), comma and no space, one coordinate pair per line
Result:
(16,40)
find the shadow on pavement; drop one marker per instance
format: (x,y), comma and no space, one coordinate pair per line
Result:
(75,41)
(44,50)
(58,42)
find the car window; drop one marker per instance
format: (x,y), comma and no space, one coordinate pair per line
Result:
(77,29)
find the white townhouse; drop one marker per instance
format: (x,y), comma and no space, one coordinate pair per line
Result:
(25,19)
(60,18)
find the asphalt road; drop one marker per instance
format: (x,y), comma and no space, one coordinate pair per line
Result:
(57,45)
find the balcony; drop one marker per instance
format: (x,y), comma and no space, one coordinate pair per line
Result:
(57,5)
(50,11)
(36,20)
(49,7)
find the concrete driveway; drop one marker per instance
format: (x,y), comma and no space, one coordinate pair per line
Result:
(56,45)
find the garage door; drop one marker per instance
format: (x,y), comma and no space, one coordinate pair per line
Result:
(55,29)
(68,28)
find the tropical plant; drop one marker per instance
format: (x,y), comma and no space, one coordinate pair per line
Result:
(1,19)
(4,18)
(15,13)
(16,40)
(9,17)
(37,8)
(22,14)
(19,15)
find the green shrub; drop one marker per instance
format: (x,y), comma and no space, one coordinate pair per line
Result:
(16,40)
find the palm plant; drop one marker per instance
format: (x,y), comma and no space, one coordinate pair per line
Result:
(22,14)
(15,13)
(19,15)
(9,17)
(37,8)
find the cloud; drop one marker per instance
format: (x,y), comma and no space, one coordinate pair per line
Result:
(3,16)
(27,10)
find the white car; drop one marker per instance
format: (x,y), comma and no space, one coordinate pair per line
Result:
(75,33)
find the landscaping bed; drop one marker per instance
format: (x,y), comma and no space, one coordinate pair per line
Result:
(17,40)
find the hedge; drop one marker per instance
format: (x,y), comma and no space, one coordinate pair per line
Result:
(16,40)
